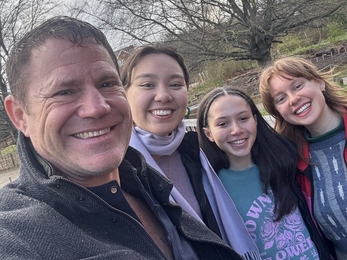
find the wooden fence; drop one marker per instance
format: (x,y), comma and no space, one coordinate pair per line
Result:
(9,161)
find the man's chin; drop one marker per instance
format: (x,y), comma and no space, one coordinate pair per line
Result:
(93,175)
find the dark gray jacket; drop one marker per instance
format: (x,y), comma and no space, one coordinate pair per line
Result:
(49,217)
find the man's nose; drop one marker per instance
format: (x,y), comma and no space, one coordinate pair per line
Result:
(93,104)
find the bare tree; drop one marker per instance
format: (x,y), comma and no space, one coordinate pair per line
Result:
(16,18)
(211,29)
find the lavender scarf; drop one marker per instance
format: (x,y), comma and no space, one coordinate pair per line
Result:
(230,223)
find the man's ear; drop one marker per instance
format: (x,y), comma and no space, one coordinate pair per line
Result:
(17,114)
(208,134)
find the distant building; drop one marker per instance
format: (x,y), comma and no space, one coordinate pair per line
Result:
(123,54)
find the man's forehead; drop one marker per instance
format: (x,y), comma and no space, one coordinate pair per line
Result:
(55,50)
(64,43)
(60,62)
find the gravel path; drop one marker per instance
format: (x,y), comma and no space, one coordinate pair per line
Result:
(8,175)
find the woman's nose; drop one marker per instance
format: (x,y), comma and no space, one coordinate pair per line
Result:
(163,95)
(235,129)
(293,99)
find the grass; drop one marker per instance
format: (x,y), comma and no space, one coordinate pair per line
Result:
(216,74)
(294,44)
(312,39)
(341,71)
(263,112)
(8,150)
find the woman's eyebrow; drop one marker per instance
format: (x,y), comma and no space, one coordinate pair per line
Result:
(146,75)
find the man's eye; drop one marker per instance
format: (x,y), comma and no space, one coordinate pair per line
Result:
(63,93)
(110,84)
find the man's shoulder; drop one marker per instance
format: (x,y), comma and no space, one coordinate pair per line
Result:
(14,197)
(19,212)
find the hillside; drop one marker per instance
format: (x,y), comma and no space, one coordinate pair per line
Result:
(324,59)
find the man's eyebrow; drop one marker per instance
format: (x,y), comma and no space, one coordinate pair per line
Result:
(68,82)
(108,76)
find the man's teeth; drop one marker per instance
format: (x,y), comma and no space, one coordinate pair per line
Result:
(161,112)
(239,141)
(303,108)
(86,135)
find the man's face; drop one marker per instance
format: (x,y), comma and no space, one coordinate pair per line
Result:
(77,115)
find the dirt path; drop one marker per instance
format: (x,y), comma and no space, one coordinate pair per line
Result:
(8,175)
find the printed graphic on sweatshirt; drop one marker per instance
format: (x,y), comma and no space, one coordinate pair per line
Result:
(285,239)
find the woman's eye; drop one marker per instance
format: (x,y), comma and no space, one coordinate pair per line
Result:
(298,86)
(146,85)
(176,85)
(280,100)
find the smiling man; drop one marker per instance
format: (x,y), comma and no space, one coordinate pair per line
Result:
(82,193)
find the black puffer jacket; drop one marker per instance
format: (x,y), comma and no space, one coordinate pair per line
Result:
(190,155)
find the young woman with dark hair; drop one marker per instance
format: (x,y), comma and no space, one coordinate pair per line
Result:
(257,167)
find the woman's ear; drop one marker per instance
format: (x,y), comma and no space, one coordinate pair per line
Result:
(208,134)
(17,114)
(321,85)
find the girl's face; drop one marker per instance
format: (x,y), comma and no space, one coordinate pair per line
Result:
(233,127)
(158,94)
(300,101)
